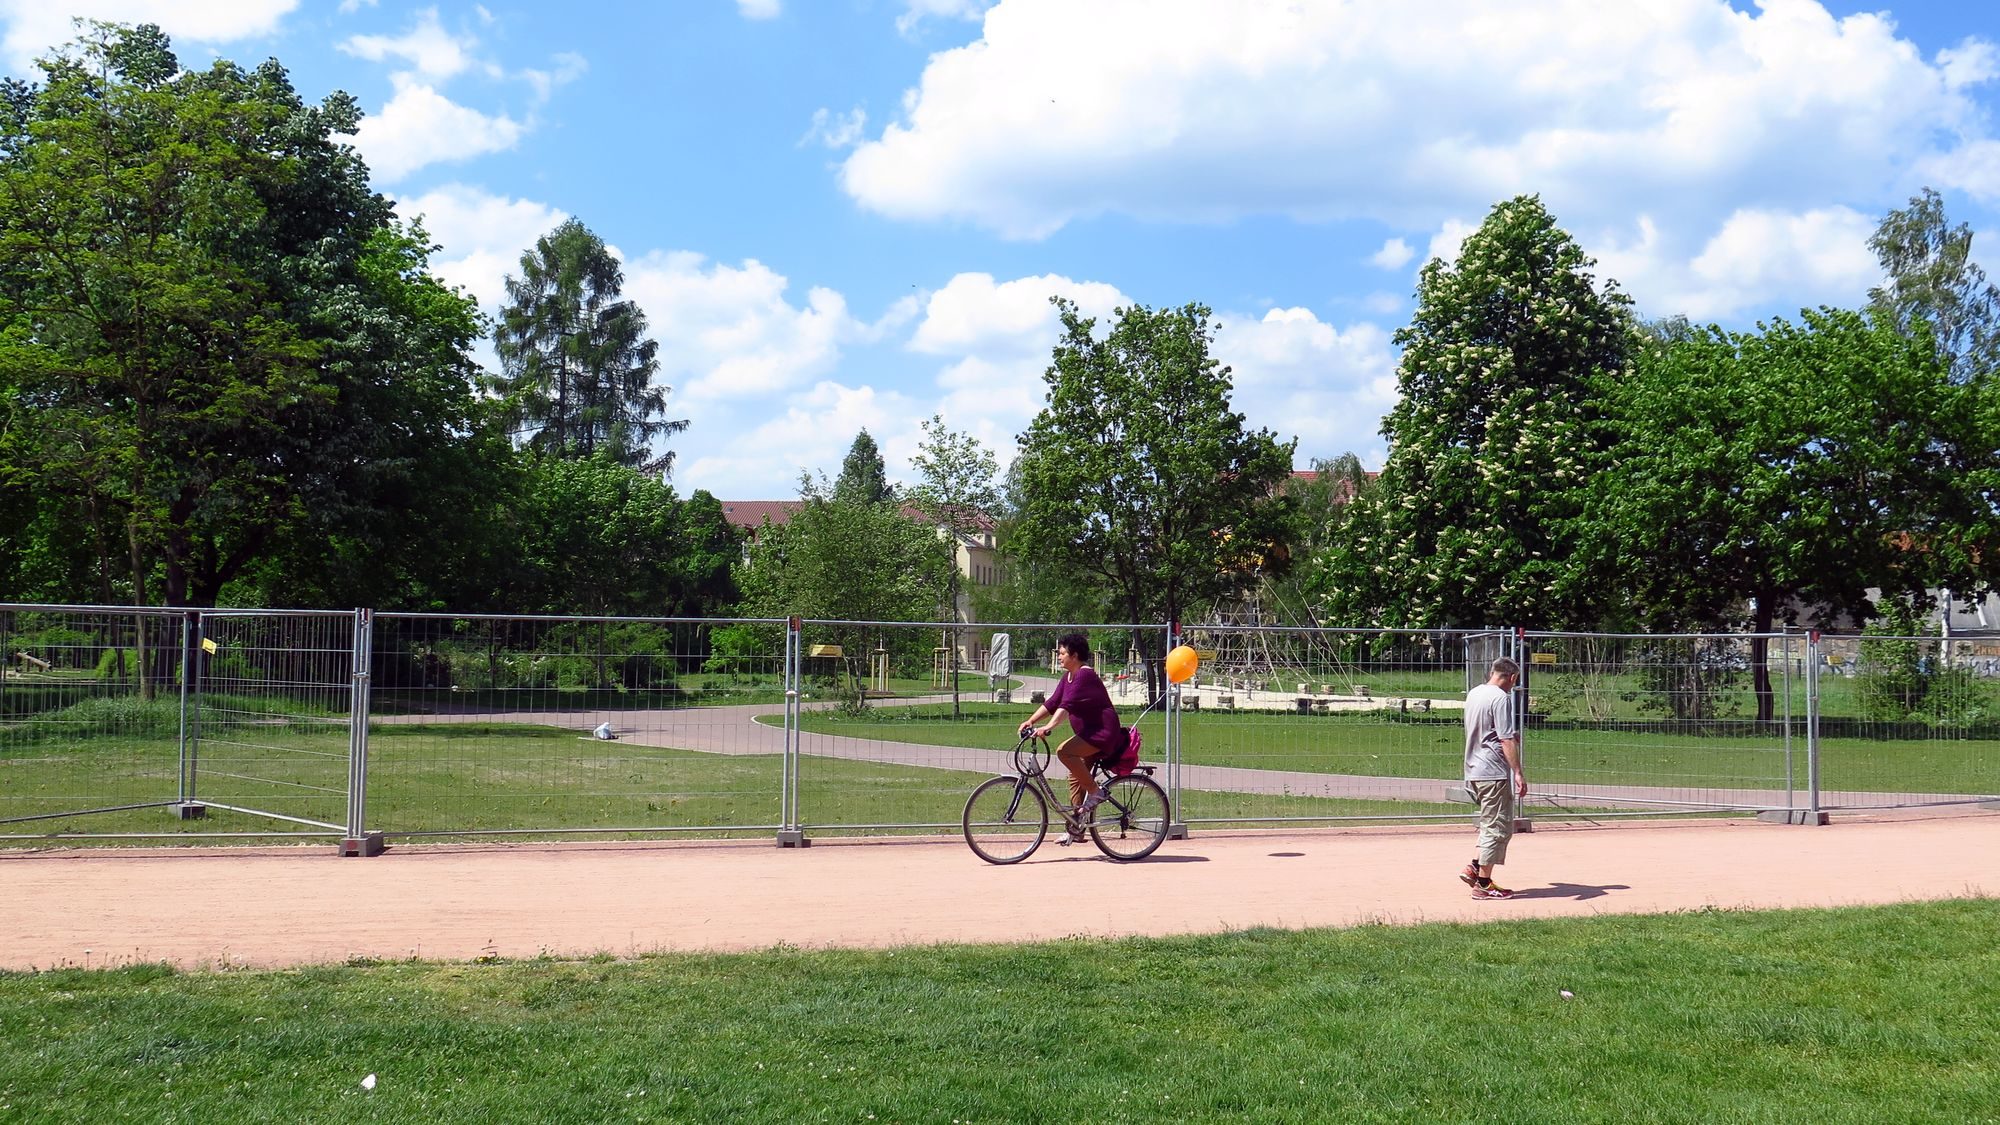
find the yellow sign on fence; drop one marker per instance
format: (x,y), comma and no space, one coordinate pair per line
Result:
(1541,658)
(825,650)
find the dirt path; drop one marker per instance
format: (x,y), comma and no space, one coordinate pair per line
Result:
(277,907)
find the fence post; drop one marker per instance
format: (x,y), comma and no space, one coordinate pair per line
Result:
(790,833)
(1813,812)
(1522,821)
(1177,828)
(185,803)
(359,841)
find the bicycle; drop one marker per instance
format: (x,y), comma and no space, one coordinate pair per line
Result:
(1007,817)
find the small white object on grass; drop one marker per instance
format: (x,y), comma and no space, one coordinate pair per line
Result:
(603,731)
(368,1083)
(1567,994)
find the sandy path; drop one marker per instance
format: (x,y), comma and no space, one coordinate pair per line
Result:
(274,907)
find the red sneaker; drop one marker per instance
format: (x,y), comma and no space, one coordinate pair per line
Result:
(1492,890)
(1469,876)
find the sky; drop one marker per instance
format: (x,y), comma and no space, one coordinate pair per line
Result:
(849,214)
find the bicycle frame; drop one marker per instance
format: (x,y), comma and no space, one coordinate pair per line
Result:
(1110,822)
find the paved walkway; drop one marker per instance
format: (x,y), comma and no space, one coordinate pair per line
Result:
(206,908)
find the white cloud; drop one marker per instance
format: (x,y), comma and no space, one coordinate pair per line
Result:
(1393,255)
(35,26)
(734,334)
(809,432)
(1186,110)
(1449,237)
(1756,257)
(916,11)
(480,236)
(349,7)
(1303,377)
(758,9)
(420,126)
(836,131)
(569,66)
(433,52)
(974,314)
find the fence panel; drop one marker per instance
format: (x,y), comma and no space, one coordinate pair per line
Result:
(887,744)
(1285,724)
(1645,725)
(1907,721)
(562,725)
(272,717)
(91,712)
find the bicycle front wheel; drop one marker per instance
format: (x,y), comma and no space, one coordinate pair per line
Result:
(1005,820)
(1132,822)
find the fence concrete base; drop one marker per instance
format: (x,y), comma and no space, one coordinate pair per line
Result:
(1177,830)
(191,810)
(364,845)
(1793,816)
(793,838)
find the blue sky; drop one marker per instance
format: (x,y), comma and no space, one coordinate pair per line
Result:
(851,213)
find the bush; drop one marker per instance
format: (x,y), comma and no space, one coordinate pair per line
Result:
(119,664)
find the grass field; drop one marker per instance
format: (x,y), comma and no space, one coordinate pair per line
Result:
(1851,1015)
(1383,746)
(467,775)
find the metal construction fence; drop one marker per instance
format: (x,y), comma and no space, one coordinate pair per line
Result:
(359,727)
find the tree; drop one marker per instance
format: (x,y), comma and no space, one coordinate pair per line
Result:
(1776,470)
(1933,279)
(1138,476)
(1493,439)
(955,493)
(214,337)
(863,479)
(576,365)
(840,560)
(598,537)
(1324,500)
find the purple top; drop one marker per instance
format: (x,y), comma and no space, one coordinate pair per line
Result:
(1091,715)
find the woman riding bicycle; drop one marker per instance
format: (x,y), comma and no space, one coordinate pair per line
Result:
(1093,721)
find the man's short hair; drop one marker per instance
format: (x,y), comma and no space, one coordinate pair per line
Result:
(1506,667)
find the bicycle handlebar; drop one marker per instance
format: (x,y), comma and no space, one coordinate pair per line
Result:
(1031,754)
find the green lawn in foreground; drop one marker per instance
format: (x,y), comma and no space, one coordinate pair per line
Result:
(1852,1015)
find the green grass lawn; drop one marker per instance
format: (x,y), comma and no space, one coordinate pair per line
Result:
(1852,1015)
(471,776)
(1377,746)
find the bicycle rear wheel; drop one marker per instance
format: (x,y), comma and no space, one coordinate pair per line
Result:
(1132,822)
(1005,820)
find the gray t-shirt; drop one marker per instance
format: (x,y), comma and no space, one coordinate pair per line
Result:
(1489,719)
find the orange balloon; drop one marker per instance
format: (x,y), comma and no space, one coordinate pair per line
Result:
(1181,664)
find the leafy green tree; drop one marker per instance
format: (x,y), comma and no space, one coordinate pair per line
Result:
(1932,279)
(1137,477)
(955,493)
(214,337)
(598,537)
(576,364)
(1493,439)
(1032,589)
(840,560)
(864,478)
(1774,470)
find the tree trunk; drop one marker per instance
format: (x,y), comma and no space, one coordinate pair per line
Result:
(1760,652)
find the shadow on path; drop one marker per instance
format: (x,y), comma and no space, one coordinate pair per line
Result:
(1577,891)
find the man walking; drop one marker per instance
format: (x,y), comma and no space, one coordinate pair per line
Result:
(1493,773)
